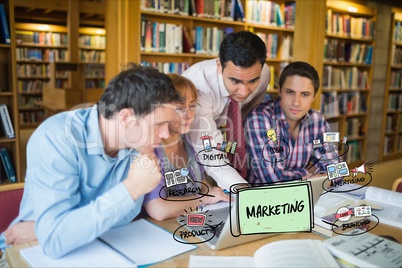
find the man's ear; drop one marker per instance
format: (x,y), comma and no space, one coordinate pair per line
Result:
(219,66)
(125,116)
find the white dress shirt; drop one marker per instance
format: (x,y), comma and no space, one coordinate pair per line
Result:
(213,99)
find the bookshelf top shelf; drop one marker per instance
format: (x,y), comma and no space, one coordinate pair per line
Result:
(365,40)
(179,17)
(351,8)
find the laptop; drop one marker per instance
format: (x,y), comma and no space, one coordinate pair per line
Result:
(220,224)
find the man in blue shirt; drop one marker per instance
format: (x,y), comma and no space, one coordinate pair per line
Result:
(88,169)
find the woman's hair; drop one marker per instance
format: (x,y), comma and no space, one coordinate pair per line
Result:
(140,88)
(181,84)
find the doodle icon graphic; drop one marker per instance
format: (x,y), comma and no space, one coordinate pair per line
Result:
(362,211)
(272,135)
(344,214)
(337,170)
(359,169)
(195,219)
(206,141)
(331,137)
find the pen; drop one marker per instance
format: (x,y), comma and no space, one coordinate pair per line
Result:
(226,191)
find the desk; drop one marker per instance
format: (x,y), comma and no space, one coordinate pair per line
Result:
(15,260)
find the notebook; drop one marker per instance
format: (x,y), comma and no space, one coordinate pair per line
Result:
(131,245)
(223,222)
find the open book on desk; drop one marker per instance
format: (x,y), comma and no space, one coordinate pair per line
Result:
(391,203)
(284,253)
(132,245)
(387,204)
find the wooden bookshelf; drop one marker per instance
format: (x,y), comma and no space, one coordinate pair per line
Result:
(36,46)
(391,144)
(8,96)
(92,45)
(347,73)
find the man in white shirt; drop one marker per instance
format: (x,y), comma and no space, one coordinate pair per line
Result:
(240,74)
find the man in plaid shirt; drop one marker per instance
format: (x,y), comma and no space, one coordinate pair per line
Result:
(284,137)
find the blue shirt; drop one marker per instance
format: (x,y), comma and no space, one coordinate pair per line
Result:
(286,158)
(73,189)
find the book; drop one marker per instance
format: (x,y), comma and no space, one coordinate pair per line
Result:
(284,253)
(5,32)
(365,250)
(330,202)
(8,167)
(391,203)
(386,203)
(8,128)
(135,244)
(328,226)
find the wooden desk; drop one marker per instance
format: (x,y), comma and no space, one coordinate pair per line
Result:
(15,260)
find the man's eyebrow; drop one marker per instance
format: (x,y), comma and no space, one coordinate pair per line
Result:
(234,78)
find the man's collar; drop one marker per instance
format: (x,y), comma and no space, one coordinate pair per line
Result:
(224,92)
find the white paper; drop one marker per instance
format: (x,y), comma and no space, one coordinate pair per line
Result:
(94,254)
(145,242)
(220,261)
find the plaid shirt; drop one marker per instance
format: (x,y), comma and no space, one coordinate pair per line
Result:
(287,158)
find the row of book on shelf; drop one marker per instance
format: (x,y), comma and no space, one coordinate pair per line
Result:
(349,26)
(39,54)
(93,56)
(394,102)
(334,104)
(396,55)
(270,14)
(31,86)
(344,51)
(31,117)
(231,10)
(353,78)
(398,32)
(275,45)
(41,38)
(171,38)
(391,123)
(92,41)
(396,79)
(389,145)
(33,70)
(168,67)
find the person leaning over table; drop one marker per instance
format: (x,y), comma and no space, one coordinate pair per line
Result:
(172,197)
(241,75)
(89,169)
(281,133)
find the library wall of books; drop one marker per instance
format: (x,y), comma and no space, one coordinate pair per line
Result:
(45,54)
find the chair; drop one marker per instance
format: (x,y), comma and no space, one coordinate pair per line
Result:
(9,206)
(397,185)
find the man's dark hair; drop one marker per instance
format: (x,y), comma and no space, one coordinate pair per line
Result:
(243,48)
(303,69)
(140,88)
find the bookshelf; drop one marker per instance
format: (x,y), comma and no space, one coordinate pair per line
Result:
(36,46)
(391,144)
(199,33)
(92,45)
(347,73)
(8,96)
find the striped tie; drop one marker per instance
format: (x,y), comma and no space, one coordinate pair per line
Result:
(235,133)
